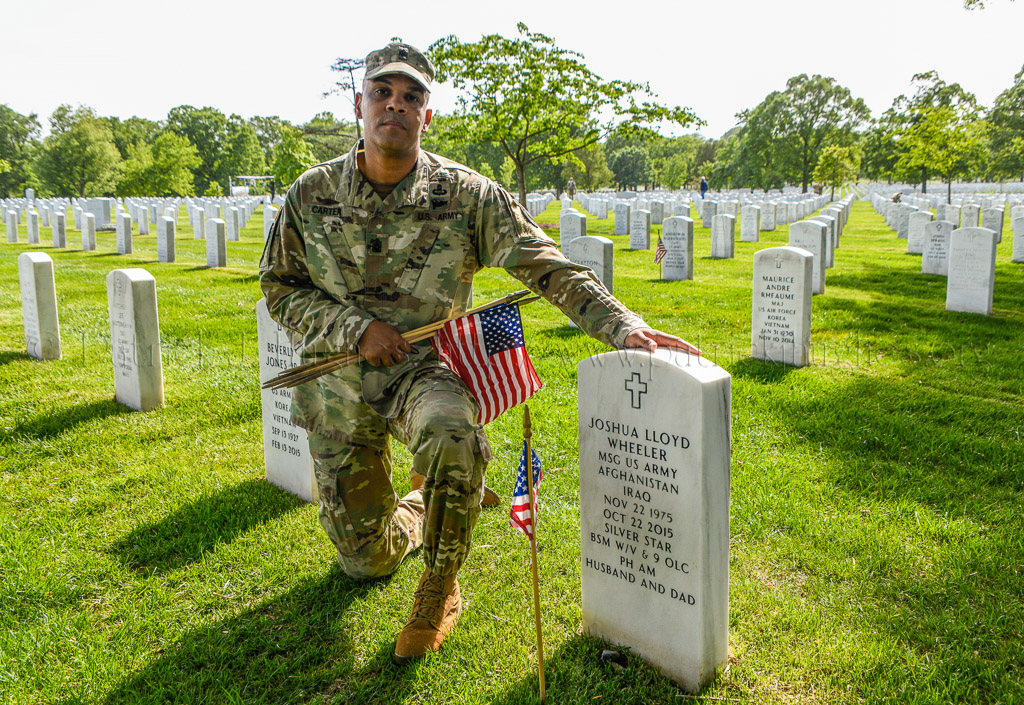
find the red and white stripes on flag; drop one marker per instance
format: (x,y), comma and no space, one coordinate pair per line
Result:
(488,353)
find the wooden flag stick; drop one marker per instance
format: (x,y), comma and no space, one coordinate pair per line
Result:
(318,368)
(527,435)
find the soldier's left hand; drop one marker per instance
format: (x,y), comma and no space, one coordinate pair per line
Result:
(649,339)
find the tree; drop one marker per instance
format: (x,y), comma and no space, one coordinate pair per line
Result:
(206,129)
(292,156)
(161,169)
(348,83)
(132,132)
(589,168)
(268,131)
(18,138)
(631,166)
(813,112)
(946,140)
(242,153)
(79,157)
(539,101)
(837,166)
(1007,121)
(327,136)
(768,147)
(879,148)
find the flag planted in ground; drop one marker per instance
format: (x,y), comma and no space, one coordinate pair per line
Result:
(522,515)
(488,353)
(660,252)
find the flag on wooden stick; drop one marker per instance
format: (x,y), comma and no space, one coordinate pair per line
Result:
(488,353)
(660,251)
(522,516)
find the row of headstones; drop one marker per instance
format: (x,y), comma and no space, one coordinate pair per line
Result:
(668,602)
(136,358)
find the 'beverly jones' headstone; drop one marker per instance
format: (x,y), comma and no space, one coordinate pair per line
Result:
(216,245)
(640,230)
(39,305)
(677,236)
(135,339)
(781,320)
(654,508)
(972,266)
(936,247)
(285,446)
(812,235)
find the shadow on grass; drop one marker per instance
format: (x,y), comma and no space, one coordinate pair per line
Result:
(198,527)
(7,356)
(759,370)
(283,651)
(54,423)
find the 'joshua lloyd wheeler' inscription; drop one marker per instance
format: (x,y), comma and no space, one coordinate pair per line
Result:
(654,507)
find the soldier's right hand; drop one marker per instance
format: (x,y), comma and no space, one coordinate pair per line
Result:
(382,344)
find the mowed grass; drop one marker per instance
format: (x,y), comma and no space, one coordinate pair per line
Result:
(877,522)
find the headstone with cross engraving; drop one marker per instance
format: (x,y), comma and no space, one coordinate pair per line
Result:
(135,339)
(935,258)
(781,319)
(970,282)
(654,432)
(286,455)
(640,230)
(623,216)
(677,236)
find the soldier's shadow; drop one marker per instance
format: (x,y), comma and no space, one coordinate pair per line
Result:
(280,651)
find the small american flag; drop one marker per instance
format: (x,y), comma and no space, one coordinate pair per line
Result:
(660,252)
(487,352)
(522,516)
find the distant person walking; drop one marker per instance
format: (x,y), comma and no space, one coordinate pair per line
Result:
(570,188)
(703,186)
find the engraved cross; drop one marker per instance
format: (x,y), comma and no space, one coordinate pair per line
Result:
(778,261)
(636,389)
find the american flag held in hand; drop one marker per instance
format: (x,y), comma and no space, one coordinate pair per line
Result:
(522,516)
(488,353)
(660,252)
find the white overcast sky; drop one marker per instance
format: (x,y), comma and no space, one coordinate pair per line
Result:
(272,58)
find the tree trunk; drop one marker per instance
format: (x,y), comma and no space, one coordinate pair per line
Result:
(521,178)
(924,179)
(949,190)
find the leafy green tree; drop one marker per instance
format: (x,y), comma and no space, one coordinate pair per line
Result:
(213,189)
(207,130)
(589,168)
(539,101)
(328,137)
(1007,122)
(631,166)
(79,157)
(242,154)
(788,130)
(161,169)
(268,131)
(880,151)
(837,166)
(946,140)
(18,138)
(292,156)
(445,137)
(132,132)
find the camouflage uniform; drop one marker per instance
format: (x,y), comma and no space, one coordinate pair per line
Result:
(340,257)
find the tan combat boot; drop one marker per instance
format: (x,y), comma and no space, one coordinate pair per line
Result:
(436,608)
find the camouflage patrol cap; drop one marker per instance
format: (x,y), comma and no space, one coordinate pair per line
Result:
(400,58)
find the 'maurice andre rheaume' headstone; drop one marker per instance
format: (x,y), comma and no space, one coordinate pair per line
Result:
(677,236)
(285,446)
(654,508)
(39,305)
(216,245)
(781,320)
(812,235)
(935,259)
(972,267)
(640,230)
(135,339)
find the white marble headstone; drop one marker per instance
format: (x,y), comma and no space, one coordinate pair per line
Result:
(972,265)
(59,231)
(723,236)
(640,230)
(124,233)
(915,231)
(812,236)
(992,218)
(39,305)
(165,234)
(595,252)
(654,508)
(135,339)
(571,226)
(623,217)
(269,213)
(781,319)
(286,455)
(750,224)
(677,236)
(12,226)
(935,259)
(1018,239)
(88,231)
(216,243)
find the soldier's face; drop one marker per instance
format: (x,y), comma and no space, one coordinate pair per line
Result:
(394,112)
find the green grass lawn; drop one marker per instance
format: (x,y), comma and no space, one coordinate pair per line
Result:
(877,522)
